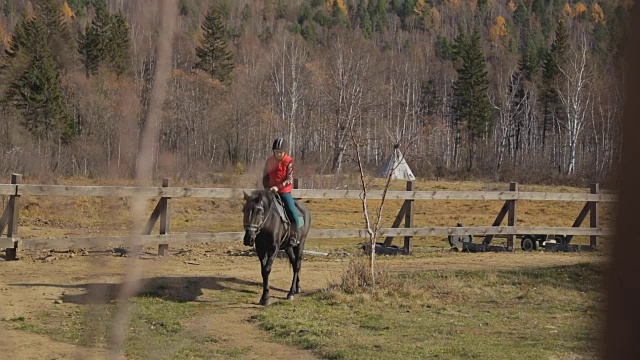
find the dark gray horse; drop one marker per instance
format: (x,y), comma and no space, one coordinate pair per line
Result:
(265,228)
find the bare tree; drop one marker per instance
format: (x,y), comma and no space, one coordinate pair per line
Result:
(575,97)
(509,106)
(288,59)
(348,69)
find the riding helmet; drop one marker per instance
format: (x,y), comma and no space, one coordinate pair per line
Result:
(279,144)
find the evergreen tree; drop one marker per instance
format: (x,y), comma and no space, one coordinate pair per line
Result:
(397,6)
(429,99)
(471,106)
(528,63)
(554,59)
(482,5)
(91,54)
(118,55)
(8,8)
(94,44)
(57,32)
(305,14)
(444,48)
(57,28)
(37,91)
(105,41)
(521,16)
(213,54)
(79,7)
(339,16)
(281,9)
(364,19)
(309,33)
(378,12)
(267,10)
(20,38)
(459,45)
(407,12)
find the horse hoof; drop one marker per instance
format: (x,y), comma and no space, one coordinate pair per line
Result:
(265,302)
(290,297)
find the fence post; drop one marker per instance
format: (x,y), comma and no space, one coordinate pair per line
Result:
(163,249)
(12,231)
(408,219)
(594,215)
(513,216)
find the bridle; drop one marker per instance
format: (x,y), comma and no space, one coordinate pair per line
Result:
(257,227)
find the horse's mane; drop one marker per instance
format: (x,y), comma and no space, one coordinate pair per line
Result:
(259,195)
(262,193)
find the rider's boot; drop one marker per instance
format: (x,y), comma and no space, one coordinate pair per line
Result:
(295,233)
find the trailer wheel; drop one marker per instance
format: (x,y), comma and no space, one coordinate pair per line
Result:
(456,241)
(528,243)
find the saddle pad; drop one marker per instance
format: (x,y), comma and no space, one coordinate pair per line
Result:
(281,211)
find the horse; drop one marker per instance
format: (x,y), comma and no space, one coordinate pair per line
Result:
(265,227)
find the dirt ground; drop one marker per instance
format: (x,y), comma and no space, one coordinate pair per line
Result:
(40,280)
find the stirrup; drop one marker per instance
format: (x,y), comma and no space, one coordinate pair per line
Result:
(294,241)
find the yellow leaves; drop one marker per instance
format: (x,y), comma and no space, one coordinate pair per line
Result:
(429,17)
(28,10)
(579,9)
(421,7)
(4,37)
(66,10)
(512,5)
(567,11)
(435,15)
(453,3)
(596,14)
(341,5)
(498,30)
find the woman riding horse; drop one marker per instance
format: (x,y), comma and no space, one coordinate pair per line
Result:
(267,230)
(278,177)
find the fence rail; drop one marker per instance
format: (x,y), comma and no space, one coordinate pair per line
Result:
(162,213)
(198,238)
(228,193)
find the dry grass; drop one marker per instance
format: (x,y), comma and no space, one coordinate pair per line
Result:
(530,314)
(357,278)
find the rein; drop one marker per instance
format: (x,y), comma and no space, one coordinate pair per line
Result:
(257,228)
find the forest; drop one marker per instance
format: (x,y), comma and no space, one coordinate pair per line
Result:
(515,90)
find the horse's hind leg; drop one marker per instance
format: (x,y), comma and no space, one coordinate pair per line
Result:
(295,264)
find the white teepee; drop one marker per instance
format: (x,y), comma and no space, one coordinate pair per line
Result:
(398,166)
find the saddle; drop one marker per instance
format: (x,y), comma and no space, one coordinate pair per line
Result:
(281,210)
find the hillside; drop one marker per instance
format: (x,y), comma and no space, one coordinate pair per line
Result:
(529,91)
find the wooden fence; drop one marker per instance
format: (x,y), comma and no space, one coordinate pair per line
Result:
(12,241)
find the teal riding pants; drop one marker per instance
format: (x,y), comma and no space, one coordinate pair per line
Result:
(291,209)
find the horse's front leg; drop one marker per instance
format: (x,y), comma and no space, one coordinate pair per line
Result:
(266,262)
(295,258)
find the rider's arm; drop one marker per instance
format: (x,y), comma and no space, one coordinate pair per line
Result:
(289,178)
(265,175)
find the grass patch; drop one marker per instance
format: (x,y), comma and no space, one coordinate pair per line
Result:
(528,314)
(161,325)
(157,328)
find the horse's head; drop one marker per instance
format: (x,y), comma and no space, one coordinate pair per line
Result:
(256,209)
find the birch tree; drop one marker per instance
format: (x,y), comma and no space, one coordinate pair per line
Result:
(287,77)
(348,68)
(575,96)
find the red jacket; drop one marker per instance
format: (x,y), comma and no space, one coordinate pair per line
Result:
(278,173)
